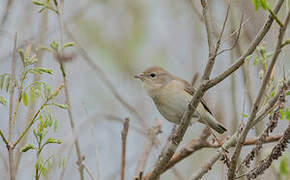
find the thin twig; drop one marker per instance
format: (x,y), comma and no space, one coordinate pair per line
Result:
(12,88)
(124,134)
(89,172)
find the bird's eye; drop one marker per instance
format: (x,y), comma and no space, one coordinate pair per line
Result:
(153,75)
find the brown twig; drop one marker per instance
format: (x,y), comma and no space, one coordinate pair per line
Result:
(124,134)
(232,169)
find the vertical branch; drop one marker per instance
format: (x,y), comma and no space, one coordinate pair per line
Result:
(233,165)
(5,15)
(67,98)
(12,88)
(124,134)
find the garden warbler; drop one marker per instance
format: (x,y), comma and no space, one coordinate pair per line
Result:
(172,95)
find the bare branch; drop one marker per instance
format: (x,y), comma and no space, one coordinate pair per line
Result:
(124,142)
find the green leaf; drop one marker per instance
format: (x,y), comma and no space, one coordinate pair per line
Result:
(288,93)
(38,3)
(40,70)
(25,98)
(55,125)
(287,114)
(31,94)
(245,115)
(3,101)
(256,61)
(7,85)
(2,79)
(22,56)
(43,48)
(41,9)
(62,106)
(281,114)
(68,44)
(27,147)
(284,168)
(257,4)
(264,4)
(53,141)
(54,46)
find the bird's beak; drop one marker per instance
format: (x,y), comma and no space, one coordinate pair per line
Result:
(139,76)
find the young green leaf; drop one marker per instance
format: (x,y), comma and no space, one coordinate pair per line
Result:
(31,94)
(22,56)
(245,115)
(68,44)
(62,106)
(55,125)
(7,85)
(3,101)
(38,3)
(25,98)
(287,114)
(54,141)
(284,168)
(281,114)
(54,46)
(264,4)
(257,4)
(2,79)
(40,70)
(27,147)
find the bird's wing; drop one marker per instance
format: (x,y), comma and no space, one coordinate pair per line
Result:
(190,90)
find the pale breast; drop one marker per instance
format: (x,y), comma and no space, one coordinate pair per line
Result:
(172,104)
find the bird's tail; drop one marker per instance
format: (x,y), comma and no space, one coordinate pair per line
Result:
(213,123)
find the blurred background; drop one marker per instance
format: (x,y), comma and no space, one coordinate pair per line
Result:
(123,38)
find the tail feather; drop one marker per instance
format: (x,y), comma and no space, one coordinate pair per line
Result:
(214,124)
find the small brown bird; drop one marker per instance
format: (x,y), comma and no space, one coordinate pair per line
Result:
(172,95)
